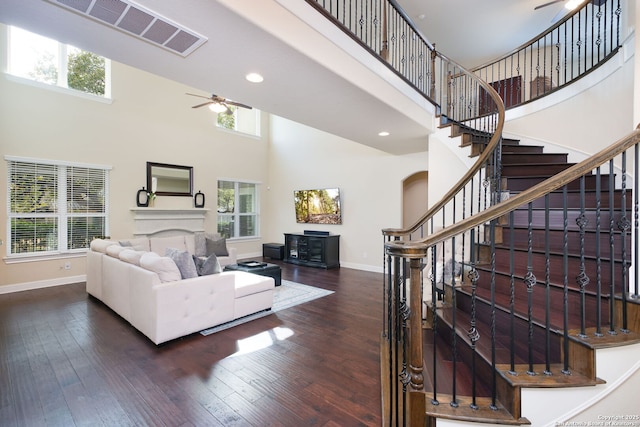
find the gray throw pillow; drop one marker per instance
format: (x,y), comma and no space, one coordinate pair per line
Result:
(218,247)
(200,244)
(208,265)
(184,261)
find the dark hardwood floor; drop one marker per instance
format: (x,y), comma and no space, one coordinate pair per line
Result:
(66,359)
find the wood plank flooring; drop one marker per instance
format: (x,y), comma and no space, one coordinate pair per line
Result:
(68,360)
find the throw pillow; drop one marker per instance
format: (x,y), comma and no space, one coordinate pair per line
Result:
(218,247)
(164,267)
(183,261)
(200,244)
(207,265)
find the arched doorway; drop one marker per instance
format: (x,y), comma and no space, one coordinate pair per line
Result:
(414,197)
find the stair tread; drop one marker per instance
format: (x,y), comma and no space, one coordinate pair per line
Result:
(521,378)
(463,411)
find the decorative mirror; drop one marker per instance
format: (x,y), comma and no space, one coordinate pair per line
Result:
(169,180)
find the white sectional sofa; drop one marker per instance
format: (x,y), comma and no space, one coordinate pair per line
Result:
(136,280)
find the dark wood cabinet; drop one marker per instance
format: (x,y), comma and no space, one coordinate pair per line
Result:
(312,250)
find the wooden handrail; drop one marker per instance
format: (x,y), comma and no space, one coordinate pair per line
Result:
(412,249)
(484,156)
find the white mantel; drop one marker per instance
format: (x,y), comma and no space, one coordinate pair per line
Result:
(156,221)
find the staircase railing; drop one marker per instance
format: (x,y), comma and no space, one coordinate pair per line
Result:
(579,301)
(450,251)
(570,49)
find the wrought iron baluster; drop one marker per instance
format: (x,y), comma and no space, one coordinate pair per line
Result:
(494,372)
(512,294)
(434,380)
(547,292)
(565,281)
(473,334)
(598,332)
(454,335)
(530,281)
(612,259)
(636,211)
(582,279)
(624,224)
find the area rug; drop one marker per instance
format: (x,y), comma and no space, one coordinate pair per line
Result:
(287,295)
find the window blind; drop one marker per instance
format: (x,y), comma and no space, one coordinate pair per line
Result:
(55,206)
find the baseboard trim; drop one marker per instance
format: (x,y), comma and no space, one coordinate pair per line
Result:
(39,284)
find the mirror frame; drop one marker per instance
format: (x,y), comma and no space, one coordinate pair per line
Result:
(151,165)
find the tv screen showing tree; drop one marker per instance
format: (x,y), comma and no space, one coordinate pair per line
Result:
(318,206)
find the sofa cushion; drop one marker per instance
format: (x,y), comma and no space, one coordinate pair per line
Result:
(184,262)
(207,265)
(139,244)
(249,283)
(114,250)
(218,247)
(130,256)
(164,267)
(101,245)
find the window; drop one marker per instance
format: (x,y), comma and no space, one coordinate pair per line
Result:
(241,120)
(44,60)
(237,209)
(55,207)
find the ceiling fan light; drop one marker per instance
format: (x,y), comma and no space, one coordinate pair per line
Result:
(572,4)
(254,78)
(217,108)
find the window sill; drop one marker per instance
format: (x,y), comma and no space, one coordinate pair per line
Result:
(58,89)
(18,259)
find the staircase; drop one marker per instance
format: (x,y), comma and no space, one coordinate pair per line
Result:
(537,325)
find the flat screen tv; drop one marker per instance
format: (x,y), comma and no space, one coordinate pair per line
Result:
(321,206)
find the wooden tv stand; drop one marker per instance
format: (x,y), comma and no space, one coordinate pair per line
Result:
(313,250)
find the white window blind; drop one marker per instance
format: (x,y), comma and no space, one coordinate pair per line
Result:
(55,207)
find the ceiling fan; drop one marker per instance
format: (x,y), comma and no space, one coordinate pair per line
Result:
(218,104)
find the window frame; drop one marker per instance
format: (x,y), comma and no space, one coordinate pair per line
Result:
(61,84)
(62,214)
(238,113)
(236,215)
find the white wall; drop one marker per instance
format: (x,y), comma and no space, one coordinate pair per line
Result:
(150,119)
(370,184)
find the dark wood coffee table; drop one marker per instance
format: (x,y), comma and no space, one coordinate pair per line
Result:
(258,267)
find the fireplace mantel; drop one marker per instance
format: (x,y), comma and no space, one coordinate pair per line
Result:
(157,221)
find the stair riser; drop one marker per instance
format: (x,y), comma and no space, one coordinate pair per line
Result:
(556,301)
(574,199)
(528,158)
(556,242)
(556,219)
(556,267)
(521,183)
(548,170)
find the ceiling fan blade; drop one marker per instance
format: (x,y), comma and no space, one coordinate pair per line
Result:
(199,96)
(202,105)
(547,4)
(237,104)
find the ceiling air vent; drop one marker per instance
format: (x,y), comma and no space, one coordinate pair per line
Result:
(138,21)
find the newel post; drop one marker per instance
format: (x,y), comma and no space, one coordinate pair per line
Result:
(416,363)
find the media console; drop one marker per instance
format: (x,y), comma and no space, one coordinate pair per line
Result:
(317,249)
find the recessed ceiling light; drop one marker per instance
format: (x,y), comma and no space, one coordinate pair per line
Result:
(254,77)
(383,133)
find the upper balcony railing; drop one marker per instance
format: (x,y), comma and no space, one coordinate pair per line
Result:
(570,49)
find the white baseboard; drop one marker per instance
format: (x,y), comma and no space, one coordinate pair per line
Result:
(28,286)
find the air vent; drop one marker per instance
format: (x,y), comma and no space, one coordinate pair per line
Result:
(139,22)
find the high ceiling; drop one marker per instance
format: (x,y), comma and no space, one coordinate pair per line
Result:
(314,74)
